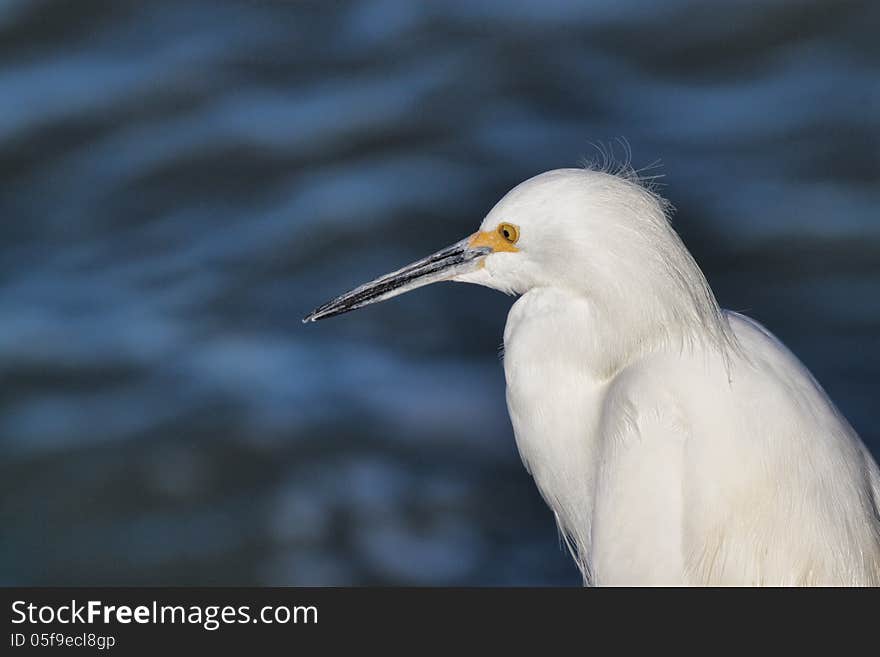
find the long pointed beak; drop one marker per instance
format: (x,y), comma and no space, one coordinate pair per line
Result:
(459,258)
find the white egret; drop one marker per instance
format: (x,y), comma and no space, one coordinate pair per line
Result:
(675,442)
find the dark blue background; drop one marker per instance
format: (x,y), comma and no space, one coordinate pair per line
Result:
(181,181)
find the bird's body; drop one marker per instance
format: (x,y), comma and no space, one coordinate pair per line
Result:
(676,443)
(686,468)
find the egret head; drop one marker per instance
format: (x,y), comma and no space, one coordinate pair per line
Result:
(597,234)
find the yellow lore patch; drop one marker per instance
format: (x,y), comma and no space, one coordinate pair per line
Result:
(494,239)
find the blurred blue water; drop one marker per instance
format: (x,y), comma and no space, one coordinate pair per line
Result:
(181,181)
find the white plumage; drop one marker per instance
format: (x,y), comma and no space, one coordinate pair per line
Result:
(676,443)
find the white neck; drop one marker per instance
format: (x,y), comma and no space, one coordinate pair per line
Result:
(547,342)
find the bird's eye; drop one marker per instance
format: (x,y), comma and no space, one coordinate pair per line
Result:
(509,232)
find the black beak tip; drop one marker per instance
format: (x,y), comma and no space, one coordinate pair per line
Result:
(324,312)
